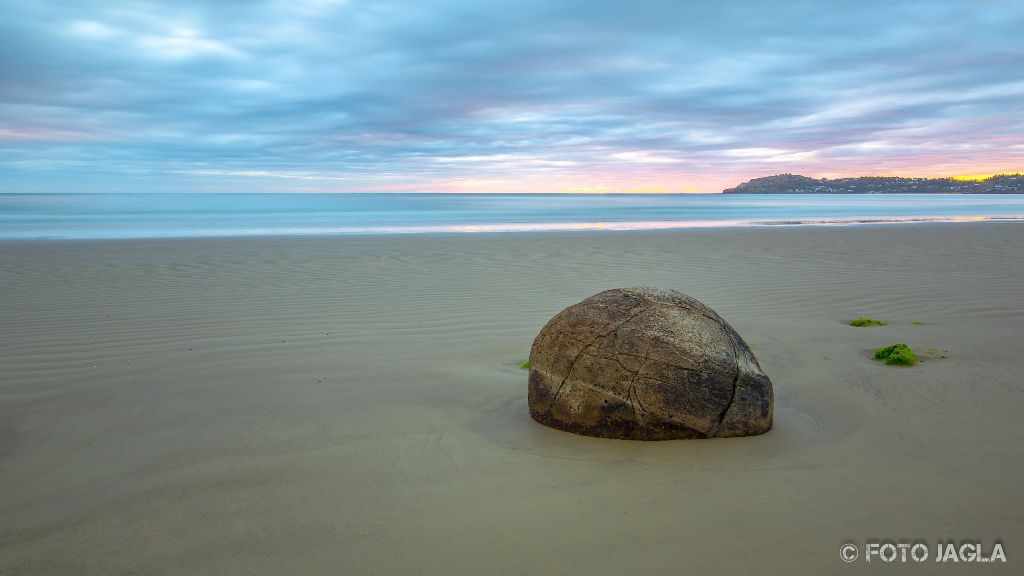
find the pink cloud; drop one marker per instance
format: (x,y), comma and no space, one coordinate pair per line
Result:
(42,134)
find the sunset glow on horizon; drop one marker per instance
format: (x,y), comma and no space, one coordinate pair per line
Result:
(451,96)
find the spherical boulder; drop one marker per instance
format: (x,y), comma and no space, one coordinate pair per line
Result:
(646,364)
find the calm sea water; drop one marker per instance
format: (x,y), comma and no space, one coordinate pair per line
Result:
(180,215)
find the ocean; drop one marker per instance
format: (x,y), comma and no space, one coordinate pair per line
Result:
(82,216)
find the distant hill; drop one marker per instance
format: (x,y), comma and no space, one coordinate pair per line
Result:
(795,184)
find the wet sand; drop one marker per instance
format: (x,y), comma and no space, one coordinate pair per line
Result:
(353,405)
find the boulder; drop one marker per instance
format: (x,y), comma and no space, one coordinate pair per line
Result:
(646,364)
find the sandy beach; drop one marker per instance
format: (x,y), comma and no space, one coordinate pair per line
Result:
(354,405)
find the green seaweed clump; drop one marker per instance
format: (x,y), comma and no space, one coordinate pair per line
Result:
(525,365)
(918,323)
(897,355)
(865,321)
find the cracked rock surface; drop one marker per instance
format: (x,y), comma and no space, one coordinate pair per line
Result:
(646,364)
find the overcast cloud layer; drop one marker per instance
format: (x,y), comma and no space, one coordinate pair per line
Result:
(524,96)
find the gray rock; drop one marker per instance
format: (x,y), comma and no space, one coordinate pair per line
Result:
(646,364)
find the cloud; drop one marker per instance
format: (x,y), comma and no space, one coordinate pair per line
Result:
(644,157)
(184,43)
(454,95)
(93,30)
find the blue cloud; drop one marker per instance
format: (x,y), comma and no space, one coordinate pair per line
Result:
(535,96)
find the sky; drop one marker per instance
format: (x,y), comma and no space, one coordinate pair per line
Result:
(523,96)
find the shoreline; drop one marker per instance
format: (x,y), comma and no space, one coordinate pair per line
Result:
(551,228)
